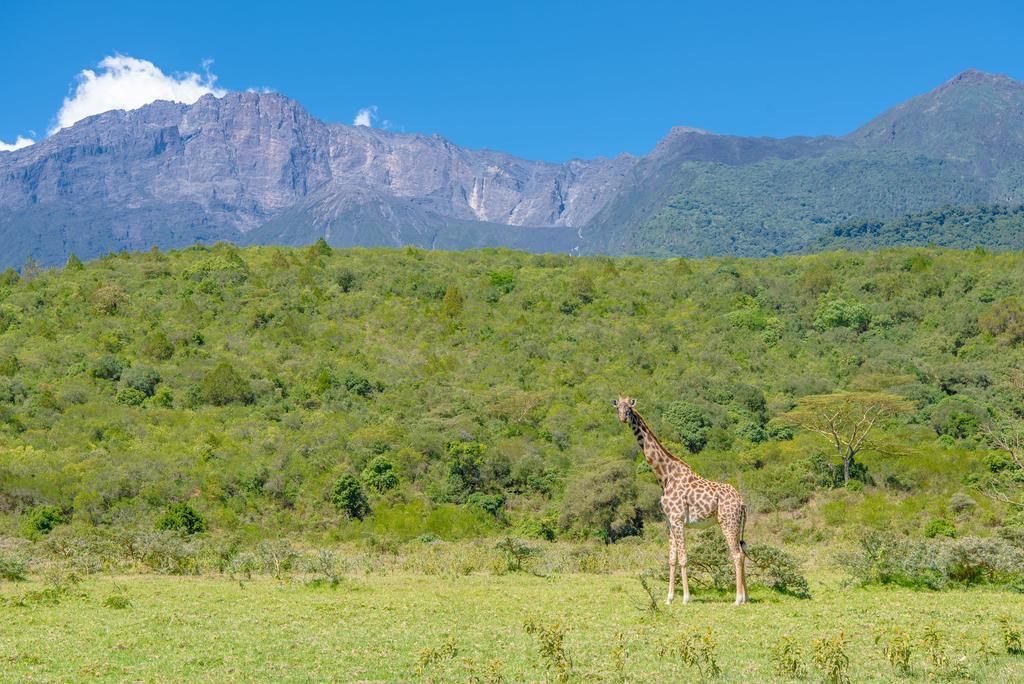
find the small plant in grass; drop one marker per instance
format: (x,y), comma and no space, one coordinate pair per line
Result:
(651,603)
(830,658)
(620,657)
(788,659)
(897,648)
(551,640)
(432,655)
(696,649)
(1011,635)
(942,665)
(117,599)
(487,673)
(515,553)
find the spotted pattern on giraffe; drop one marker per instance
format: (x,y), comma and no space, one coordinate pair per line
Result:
(689,498)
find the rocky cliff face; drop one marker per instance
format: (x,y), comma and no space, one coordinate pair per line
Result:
(169,174)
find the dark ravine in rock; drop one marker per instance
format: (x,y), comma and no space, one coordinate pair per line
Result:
(258,169)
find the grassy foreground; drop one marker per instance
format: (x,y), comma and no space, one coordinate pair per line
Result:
(376,628)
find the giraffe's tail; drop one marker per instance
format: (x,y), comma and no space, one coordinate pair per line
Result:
(743,528)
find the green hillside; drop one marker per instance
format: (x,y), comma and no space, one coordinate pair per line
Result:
(996,227)
(332,394)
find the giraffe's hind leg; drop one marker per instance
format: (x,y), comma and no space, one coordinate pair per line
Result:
(731,530)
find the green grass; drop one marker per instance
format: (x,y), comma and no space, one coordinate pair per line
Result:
(376,628)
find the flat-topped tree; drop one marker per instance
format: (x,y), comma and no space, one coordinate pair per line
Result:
(845,419)
(689,498)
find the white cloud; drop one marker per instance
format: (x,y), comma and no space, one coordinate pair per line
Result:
(22,141)
(123,82)
(366,116)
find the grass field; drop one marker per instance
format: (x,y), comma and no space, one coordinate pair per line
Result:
(403,627)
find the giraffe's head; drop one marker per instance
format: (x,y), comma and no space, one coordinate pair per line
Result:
(625,406)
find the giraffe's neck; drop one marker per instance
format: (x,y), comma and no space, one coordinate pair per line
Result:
(663,463)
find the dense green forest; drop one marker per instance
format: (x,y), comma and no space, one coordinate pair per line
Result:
(995,226)
(329,394)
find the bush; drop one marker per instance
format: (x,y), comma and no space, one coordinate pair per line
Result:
(939,527)
(839,313)
(12,568)
(130,396)
(107,368)
(348,497)
(492,503)
(696,648)
(181,517)
(937,563)
(41,520)
(830,658)
(709,562)
(142,379)
(360,384)
(223,385)
(515,553)
(379,475)
(691,423)
(605,502)
(157,346)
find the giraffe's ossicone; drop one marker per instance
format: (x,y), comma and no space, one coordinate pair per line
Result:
(689,498)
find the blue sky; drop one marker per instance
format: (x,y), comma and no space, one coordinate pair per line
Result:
(548,80)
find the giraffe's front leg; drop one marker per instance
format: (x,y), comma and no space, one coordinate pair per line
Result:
(681,554)
(671,565)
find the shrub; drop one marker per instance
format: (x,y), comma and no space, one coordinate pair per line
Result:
(696,649)
(708,561)
(1005,319)
(223,385)
(551,640)
(348,497)
(9,365)
(453,302)
(181,517)
(605,502)
(142,379)
(41,520)
(379,475)
(937,563)
(691,423)
(939,527)
(515,553)
(492,503)
(107,368)
(1012,638)
(109,299)
(117,600)
(897,648)
(12,568)
(360,384)
(787,659)
(839,313)
(130,396)
(830,658)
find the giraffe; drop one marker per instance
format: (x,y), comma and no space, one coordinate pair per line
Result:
(689,498)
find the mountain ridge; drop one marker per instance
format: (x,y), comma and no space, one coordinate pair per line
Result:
(257,168)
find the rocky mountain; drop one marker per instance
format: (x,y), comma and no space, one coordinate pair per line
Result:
(254,167)
(258,169)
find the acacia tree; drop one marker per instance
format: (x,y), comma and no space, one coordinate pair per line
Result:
(845,419)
